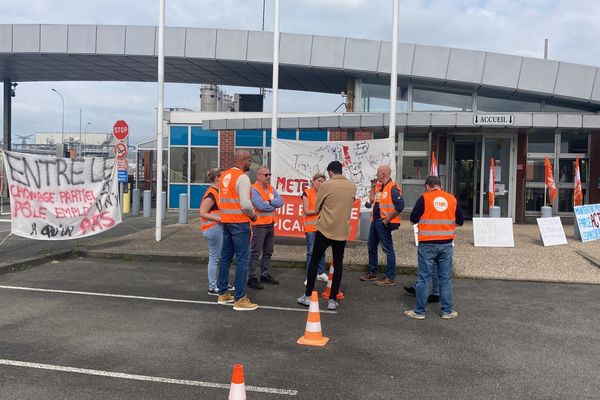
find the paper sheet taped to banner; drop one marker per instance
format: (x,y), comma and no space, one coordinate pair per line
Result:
(59,198)
(291,223)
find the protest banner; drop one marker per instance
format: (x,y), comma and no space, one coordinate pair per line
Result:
(493,232)
(588,221)
(290,221)
(294,163)
(552,231)
(59,198)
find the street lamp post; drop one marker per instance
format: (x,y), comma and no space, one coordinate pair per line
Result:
(81,140)
(62,137)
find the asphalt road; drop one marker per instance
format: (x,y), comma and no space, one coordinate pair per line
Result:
(512,340)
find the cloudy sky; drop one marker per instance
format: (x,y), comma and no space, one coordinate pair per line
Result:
(516,27)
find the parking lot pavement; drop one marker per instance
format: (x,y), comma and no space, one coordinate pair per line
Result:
(511,340)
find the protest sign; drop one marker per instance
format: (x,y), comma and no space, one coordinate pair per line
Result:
(294,163)
(291,223)
(59,198)
(552,231)
(588,221)
(493,232)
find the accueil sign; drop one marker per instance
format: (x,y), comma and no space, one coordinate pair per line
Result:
(493,119)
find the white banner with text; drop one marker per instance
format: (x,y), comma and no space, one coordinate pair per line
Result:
(58,198)
(295,162)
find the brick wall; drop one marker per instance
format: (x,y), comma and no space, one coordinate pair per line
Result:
(227,143)
(362,135)
(337,134)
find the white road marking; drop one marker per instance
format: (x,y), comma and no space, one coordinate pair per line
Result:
(127,296)
(119,375)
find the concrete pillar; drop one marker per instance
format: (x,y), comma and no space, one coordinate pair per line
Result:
(135,205)
(7,116)
(147,203)
(183,208)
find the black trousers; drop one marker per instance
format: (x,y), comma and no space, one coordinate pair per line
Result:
(337,248)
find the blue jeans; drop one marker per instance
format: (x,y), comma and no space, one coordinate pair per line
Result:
(435,283)
(430,254)
(310,243)
(236,241)
(214,237)
(379,233)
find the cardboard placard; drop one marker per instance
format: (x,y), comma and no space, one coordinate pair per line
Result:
(493,232)
(552,231)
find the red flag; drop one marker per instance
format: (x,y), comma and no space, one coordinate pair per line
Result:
(433,170)
(577,192)
(549,180)
(491,185)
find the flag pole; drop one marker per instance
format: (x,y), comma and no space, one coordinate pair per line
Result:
(545,190)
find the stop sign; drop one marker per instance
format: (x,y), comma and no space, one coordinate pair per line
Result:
(120,130)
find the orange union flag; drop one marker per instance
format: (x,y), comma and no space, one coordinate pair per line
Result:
(577,192)
(549,180)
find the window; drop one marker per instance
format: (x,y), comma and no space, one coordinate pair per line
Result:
(541,142)
(416,140)
(439,100)
(178,135)
(573,142)
(178,165)
(202,159)
(507,104)
(376,98)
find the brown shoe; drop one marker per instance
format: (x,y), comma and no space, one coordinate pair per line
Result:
(385,281)
(369,277)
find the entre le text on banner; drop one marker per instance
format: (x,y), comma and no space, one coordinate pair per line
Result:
(58,198)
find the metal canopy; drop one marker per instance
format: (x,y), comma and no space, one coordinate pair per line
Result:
(243,58)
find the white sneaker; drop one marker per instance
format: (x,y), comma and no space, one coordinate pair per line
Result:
(323,277)
(305,282)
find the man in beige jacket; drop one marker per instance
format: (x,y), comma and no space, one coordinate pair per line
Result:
(334,205)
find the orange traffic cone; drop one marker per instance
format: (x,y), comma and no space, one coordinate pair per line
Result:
(313,335)
(237,390)
(327,291)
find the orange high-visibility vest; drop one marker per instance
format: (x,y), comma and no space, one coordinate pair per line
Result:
(264,217)
(229,199)
(309,220)
(206,224)
(384,198)
(438,219)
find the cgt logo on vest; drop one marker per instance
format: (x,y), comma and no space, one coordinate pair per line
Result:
(226,179)
(440,204)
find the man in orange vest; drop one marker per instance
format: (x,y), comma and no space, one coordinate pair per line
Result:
(265,200)
(310,215)
(437,213)
(387,205)
(236,214)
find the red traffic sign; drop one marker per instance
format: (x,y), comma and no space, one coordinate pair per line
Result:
(120,130)
(120,150)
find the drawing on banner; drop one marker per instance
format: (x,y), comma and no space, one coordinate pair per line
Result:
(59,198)
(292,169)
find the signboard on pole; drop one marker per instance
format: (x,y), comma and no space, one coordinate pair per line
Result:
(552,231)
(588,221)
(120,150)
(120,130)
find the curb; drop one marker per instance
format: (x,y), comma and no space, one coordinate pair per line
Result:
(276,263)
(28,263)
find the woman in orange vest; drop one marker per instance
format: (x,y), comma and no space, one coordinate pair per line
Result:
(310,217)
(210,218)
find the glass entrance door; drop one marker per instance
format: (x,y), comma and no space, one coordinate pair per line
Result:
(469,177)
(502,150)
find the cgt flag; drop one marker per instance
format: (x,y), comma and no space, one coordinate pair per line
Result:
(549,180)
(433,170)
(491,185)
(577,192)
